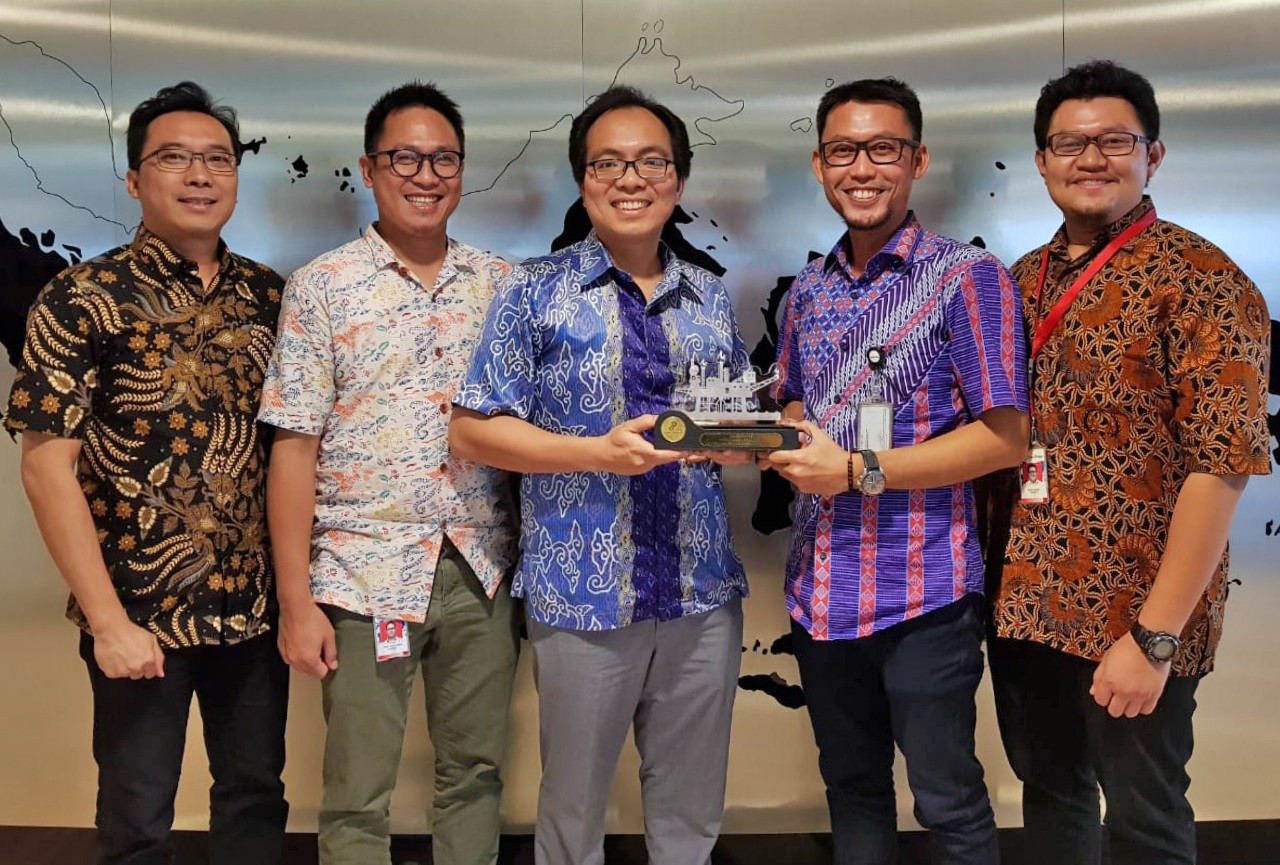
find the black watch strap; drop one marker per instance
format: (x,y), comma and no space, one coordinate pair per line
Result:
(1159,646)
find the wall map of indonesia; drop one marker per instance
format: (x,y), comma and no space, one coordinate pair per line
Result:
(31,256)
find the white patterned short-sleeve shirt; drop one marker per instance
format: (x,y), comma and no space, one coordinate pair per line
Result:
(368,358)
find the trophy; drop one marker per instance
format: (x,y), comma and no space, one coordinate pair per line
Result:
(715,414)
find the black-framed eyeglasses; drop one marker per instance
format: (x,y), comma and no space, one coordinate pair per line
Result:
(1108,143)
(648,167)
(180,159)
(881,151)
(408,163)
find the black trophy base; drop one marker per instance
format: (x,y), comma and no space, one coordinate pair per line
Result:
(676,431)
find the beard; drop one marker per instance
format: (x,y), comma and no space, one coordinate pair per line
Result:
(862,220)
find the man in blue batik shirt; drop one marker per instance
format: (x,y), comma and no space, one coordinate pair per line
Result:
(632,588)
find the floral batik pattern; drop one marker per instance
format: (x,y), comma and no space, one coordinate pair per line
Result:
(1157,370)
(159,378)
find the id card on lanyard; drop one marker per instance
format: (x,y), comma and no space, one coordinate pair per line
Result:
(1034,473)
(875,415)
(874,431)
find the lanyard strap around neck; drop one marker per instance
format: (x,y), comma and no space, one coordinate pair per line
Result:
(1046,326)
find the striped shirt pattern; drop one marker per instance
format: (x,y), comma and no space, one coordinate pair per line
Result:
(950,318)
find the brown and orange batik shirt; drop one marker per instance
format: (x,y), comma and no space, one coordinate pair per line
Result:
(160,380)
(1157,370)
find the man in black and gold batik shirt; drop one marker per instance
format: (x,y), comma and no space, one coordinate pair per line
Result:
(136,399)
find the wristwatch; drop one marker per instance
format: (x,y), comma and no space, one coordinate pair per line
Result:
(1157,645)
(872,481)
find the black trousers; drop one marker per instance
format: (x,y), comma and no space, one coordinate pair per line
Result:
(140,728)
(912,684)
(1064,746)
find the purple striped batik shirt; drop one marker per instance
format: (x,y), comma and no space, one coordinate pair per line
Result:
(950,318)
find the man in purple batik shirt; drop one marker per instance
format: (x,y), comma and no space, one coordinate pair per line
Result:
(902,360)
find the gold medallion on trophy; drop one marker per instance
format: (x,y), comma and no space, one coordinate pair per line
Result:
(672,429)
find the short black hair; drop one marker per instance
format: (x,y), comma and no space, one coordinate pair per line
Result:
(622,96)
(183,96)
(413,94)
(886,91)
(1098,78)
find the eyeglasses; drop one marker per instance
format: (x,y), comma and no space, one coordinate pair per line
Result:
(179,159)
(408,163)
(648,167)
(881,151)
(1109,143)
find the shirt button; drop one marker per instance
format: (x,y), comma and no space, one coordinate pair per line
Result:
(444,467)
(444,408)
(439,352)
(403,271)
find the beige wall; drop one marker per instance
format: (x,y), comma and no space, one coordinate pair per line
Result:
(49,778)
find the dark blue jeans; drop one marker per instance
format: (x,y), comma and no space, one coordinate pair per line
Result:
(140,728)
(912,684)
(1064,746)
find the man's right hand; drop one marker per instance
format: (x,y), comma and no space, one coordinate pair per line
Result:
(306,639)
(127,651)
(625,451)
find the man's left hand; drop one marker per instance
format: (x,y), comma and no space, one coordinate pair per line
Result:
(819,466)
(1127,683)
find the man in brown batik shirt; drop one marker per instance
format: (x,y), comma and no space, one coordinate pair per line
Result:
(1149,399)
(136,399)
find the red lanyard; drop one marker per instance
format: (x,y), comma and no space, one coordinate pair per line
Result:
(1046,326)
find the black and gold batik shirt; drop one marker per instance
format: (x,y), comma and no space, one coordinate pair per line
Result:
(160,380)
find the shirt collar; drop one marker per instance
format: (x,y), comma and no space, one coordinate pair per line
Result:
(898,250)
(165,260)
(384,257)
(1058,246)
(599,270)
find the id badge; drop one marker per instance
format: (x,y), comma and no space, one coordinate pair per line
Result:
(390,639)
(1034,474)
(875,425)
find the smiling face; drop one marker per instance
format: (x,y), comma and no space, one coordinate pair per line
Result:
(182,207)
(870,198)
(1090,189)
(630,210)
(413,207)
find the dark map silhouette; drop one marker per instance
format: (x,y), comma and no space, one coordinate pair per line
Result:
(787,695)
(773,505)
(27,262)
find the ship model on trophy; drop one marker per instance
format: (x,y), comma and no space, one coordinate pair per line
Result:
(715,413)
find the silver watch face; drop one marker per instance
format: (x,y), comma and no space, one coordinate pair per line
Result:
(1162,648)
(872,483)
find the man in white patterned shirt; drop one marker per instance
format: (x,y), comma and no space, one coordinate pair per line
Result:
(390,553)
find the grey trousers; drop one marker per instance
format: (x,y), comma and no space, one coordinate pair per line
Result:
(466,651)
(676,682)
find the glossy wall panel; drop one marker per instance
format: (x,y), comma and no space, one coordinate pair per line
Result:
(1217,76)
(746,76)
